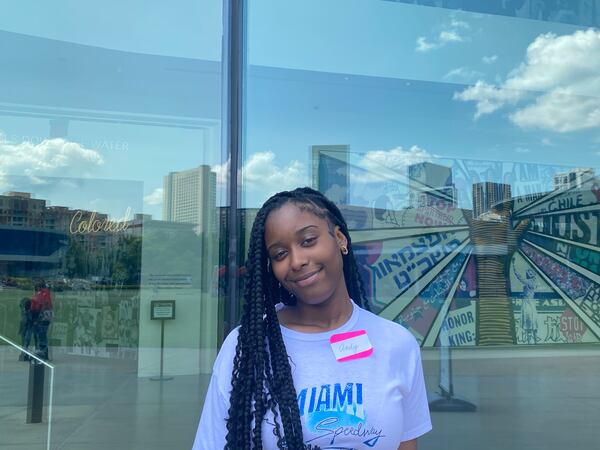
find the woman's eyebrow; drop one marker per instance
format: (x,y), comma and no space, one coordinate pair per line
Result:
(303,229)
(297,232)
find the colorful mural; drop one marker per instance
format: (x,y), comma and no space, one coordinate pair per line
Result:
(470,258)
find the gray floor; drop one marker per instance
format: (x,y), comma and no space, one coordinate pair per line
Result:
(526,399)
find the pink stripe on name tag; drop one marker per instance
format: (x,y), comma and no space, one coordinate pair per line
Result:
(351,345)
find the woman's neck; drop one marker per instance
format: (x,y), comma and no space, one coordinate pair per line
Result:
(321,317)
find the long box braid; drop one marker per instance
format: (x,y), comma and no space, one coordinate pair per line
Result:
(262,375)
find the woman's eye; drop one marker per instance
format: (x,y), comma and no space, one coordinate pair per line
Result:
(279,255)
(308,241)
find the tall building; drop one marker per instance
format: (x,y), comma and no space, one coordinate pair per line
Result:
(190,196)
(490,198)
(573,178)
(430,183)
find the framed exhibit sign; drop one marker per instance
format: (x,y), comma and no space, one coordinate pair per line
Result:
(162,309)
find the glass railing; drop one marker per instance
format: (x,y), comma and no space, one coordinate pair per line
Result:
(26,390)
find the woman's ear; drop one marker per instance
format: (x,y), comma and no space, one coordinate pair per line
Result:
(340,237)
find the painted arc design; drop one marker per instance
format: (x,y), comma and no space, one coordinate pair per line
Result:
(513,270)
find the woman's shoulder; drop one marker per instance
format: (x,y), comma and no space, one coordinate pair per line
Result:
(223,365)
(227,350)
(387,331)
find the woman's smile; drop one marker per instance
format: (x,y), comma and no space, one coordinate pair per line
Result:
(307,279)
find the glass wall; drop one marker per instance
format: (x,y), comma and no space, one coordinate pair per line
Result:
(462,141)
(460,138)
(110,208)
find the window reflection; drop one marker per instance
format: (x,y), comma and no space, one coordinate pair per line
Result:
(582,12)
(94,119)
(460,140)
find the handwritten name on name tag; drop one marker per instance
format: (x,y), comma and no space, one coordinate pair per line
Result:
(351,345)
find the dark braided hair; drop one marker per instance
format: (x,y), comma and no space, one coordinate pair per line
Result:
(262,376)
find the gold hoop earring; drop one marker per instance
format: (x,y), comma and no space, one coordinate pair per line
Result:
(344,250)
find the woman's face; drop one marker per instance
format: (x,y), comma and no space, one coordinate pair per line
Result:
(305,256)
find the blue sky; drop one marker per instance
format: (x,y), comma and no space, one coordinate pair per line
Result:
(190,30)
(377,76)
(394,78)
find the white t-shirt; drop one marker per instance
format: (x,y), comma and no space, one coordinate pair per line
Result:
(375,402)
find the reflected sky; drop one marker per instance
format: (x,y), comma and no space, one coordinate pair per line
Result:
(392,77)
(191,30)
(410,81)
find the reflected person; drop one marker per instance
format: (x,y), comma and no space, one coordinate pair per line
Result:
(25,326)
(42,314)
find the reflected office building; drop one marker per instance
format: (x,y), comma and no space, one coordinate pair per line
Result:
(190,197)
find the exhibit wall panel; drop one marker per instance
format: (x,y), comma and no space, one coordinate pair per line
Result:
(112,197)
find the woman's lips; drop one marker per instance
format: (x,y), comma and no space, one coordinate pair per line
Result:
(308,280)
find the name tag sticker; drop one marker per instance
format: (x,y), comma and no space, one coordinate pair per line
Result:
(351,345)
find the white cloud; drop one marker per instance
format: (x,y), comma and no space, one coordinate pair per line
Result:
(155,197)
(490,59)
(547,142)
(462,74)
(423,45)
(459,24)
(450,36)
(222,171)
(337,194)
(522,150)
(380,164)
(261,172)
(566,69)
(488,98)
(554,61)
(51,157)
(559,111)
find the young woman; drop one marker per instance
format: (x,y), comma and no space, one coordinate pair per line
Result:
(309,366)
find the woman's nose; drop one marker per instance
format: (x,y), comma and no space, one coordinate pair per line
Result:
(298,259)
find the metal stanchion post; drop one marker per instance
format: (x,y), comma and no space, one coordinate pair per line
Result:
(35,392)
(161,376)
(162,310)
